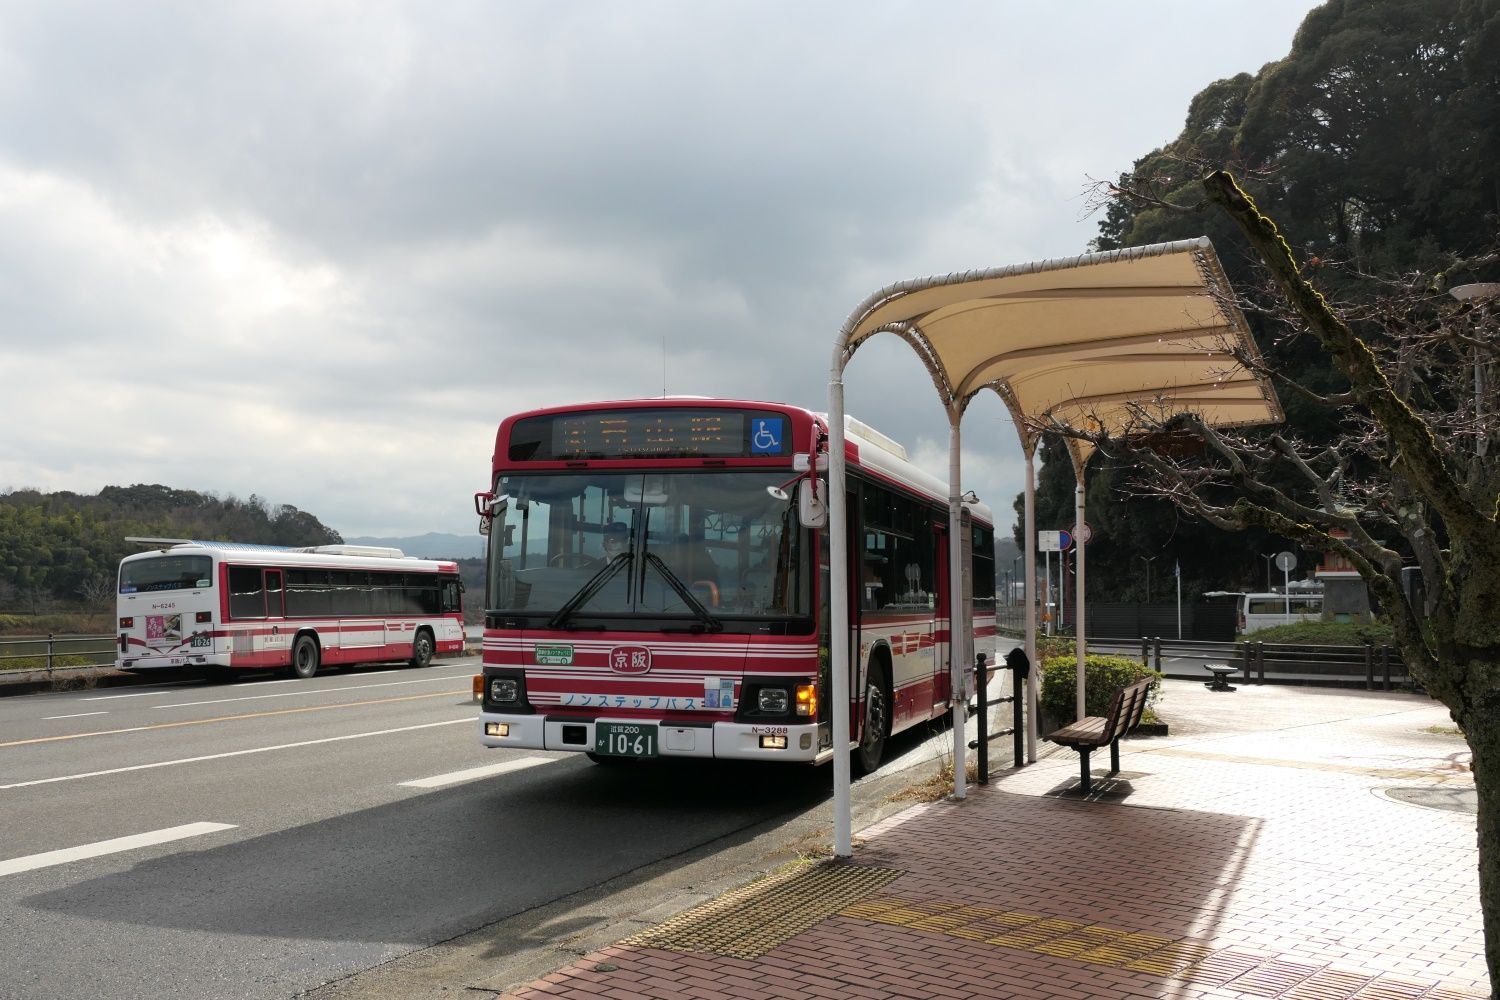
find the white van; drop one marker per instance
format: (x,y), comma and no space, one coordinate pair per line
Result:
(1258,611)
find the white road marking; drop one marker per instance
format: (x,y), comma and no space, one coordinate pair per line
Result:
(474,773)
(293,694)
(232,753)
(47,860)
(109,697)
(80,715)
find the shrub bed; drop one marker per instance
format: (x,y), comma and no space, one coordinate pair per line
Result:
(1103,676)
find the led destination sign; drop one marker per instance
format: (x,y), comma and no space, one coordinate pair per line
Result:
(678,432)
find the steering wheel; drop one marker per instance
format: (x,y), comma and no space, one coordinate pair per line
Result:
(572,560)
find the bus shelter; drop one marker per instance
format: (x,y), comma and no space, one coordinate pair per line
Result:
(1108,343)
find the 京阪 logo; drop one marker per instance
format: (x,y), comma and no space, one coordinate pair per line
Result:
(630,659)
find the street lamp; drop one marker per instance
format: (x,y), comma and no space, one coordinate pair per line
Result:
(1269,557)
(1147,560)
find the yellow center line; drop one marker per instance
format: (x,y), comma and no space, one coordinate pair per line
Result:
(232,718)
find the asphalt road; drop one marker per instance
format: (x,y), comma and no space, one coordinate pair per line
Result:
(259,839)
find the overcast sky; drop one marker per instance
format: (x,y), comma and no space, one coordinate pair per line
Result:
(316,251)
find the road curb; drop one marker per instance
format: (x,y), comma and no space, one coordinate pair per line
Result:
(73,679)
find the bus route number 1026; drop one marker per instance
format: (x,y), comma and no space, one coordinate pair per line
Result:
(624,739)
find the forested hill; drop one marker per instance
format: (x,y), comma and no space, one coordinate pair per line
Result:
(60,550)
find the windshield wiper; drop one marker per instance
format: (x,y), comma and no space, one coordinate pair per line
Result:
(594,584)
(710,623)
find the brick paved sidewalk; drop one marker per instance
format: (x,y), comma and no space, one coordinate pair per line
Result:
(1261,855)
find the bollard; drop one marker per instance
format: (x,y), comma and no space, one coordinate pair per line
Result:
(1369,666)
(1157,642)
(49,653)
(1260,663)
(982,685)
(1385,664)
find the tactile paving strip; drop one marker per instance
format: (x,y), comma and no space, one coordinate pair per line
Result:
(750,921)
(1249,974)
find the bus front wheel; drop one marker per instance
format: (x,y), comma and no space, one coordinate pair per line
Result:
(305,657)
(421,649)
(877,727)
(608,761)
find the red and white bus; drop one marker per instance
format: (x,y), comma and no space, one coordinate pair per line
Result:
(226,605)
(658,584)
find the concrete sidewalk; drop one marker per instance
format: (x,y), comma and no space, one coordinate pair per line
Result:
(1307,843)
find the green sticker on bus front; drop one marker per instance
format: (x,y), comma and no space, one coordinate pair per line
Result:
(554,656)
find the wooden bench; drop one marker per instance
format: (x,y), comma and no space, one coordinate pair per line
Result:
(1088,734)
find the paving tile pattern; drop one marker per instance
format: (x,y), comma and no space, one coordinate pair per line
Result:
(1222,865)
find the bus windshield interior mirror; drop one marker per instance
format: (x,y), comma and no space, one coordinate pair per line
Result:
(648,491)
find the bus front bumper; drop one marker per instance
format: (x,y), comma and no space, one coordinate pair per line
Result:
(719,740)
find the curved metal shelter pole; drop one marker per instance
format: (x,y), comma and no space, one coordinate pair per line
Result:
(958,625)
(1078,605)
(838,604)
(1036,668)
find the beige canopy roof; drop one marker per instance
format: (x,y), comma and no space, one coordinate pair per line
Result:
(1126,338)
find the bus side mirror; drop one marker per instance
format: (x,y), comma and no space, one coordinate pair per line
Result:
(812,509)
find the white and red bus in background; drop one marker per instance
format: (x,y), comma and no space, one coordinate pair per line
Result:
(226,605)
(658,584)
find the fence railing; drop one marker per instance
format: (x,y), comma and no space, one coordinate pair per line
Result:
(1376,665)
(48,652)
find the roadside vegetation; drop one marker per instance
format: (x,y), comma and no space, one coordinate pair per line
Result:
(59,551)
(1325,634)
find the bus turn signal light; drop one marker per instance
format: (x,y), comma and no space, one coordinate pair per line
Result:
(478,687)
(807,700)
(127,623)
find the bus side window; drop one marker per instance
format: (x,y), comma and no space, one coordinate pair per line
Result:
(247,596)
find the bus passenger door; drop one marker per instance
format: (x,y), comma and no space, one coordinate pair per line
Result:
(277,639)
(941,622)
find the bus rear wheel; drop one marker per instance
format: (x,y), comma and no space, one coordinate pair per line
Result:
(305,657)
(421,649)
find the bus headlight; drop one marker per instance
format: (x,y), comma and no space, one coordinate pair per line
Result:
(773,701)
(504,690)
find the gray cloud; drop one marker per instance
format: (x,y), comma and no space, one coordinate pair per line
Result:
(317,252)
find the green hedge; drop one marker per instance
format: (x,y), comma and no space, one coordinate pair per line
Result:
(1103,676)
(40,662)
(1325,634)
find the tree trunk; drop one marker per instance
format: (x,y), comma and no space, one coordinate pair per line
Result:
(1482,729)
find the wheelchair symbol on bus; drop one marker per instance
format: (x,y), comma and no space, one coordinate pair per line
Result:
(765,437)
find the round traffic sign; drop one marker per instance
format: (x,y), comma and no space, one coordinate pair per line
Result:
(1085,533)
(1064,540)
(1286,561)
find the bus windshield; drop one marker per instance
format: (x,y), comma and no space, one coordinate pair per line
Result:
(166,573)
(705,551)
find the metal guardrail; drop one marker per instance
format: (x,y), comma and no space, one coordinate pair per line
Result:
(1290,661)
(98,650)
(981,709)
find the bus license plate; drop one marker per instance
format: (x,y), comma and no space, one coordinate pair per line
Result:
(624,739)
